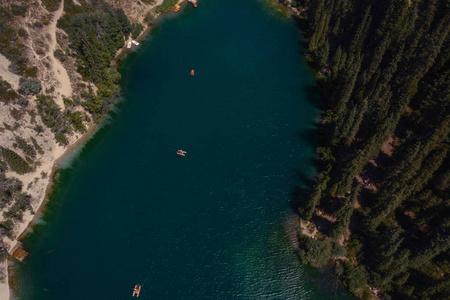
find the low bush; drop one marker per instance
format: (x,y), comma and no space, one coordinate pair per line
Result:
(36,145)
(16,114)
(38,128)
(25,147)
(165,6)
(77,120)
(8,227)
(22,33)
(338,250)
(21,204)
(314,252)
(18,10)
(15,162)
(136,30)
(51,5)
(60,55)
(49,111)
(7,94)
(29,86)
(61,138)
(31,72)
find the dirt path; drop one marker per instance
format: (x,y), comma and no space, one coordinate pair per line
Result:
(60,73)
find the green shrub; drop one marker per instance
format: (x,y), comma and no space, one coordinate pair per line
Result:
(16,114)
(36,145)
(314,252)
(61,139)
(338,250)
(51,5)
(11,48)
(18,10)
(165,6)
(22,33)
(137,29)
(38,128)
(29,86)
(31,72)
(3,166)
(25,147)
(60,55)
(354,277)
(8,227)
(49,111)
(15,162)
(77,120)
(21,204)
(7,94)
(38,24)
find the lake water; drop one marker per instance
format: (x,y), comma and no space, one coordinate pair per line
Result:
(211,225)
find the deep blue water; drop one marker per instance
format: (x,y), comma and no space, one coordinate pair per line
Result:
(210,225)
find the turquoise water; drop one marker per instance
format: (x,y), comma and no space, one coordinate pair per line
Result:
(210,225)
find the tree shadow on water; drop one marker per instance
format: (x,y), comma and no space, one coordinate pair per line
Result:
(301,191)
(310,136)
(312,93)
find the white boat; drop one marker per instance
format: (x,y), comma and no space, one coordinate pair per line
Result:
(134,42)
(129,45)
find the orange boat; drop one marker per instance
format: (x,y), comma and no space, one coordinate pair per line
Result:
(181,152)
(192,72)
(137,290)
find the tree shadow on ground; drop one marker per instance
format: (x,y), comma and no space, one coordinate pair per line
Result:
(323,225)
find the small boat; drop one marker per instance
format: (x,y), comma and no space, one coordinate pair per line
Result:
(192,72)
(137,290)
(177,8)
(181,152)
(194,2)
(129,45)
(134,42)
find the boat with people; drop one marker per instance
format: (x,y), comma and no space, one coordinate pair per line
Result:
(192,73)
(181,152)
(137,290)
(177,8)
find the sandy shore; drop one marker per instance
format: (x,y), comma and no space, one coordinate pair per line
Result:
(40,191)
(50,162)
(11,78)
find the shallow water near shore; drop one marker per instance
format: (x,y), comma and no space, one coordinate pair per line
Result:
(212,225)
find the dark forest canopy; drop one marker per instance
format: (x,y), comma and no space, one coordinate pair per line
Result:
(96,32)
(384,167)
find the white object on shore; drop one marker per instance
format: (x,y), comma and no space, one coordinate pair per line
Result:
(129,45)
(134,42)
(192,1)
